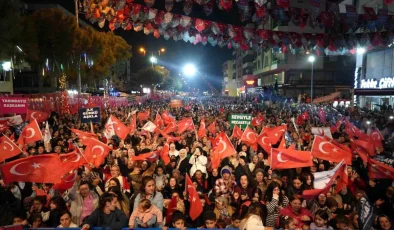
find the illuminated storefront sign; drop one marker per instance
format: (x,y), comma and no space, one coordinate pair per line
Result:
(383,83)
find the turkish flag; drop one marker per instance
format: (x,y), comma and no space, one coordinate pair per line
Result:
(3,126)
(212,127)
(167,118)
(168,137)
(327,150)
(300,121)
(39,169)
(365,145)
(275,133)
(288,158)
(171,208)
(352,131)
(282,144)
(158,121)
(164,154)
(143,157)
(194,199)
(185,124)
(265,142)
(38,115)
(322,115)
(121,129)
(377,138)
(66,182)
(84,136)
(71,161)
(249,136)
(96,151)
(324,180)
(305,116)
(171,127)
(224,146)
(380,170)
(30,134)
(143,116)
(202,131)
(8,148)
(257,121)
(237,132)
(133,123)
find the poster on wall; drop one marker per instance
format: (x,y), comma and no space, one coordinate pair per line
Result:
(88,115)
(13,105)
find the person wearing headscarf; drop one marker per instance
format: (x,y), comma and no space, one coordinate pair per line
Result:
(183,164)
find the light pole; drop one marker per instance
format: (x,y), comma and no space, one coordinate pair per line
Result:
(311,59)
(152,59)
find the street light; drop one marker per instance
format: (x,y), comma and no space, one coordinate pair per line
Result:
(312,59)
(189,70)
(360,50)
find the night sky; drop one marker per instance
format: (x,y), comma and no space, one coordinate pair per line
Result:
(207,59)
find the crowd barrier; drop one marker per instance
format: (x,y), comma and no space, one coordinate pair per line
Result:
(20,227)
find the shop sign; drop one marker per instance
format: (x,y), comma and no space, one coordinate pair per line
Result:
(383,83)
(241,120)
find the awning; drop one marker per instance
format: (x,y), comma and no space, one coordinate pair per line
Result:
(372,92)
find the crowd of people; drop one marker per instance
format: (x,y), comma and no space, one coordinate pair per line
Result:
(244,192)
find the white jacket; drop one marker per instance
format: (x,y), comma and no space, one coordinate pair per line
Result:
(254,222)
(199,162)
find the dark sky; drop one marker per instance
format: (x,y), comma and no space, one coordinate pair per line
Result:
(207,59)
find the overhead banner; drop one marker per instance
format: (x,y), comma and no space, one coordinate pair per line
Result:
(176,103)
(330,97)
(13,105)
(241,120)
(88,115)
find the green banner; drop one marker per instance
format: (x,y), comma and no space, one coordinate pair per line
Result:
(241,120)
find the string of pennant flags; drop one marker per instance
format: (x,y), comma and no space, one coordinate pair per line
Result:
(377,29)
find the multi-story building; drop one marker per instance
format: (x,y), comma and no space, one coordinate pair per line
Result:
(229,86)
(253,71)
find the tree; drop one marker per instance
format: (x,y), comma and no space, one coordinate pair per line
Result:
(150,77)
(10,31)
(51,35)
(172,83)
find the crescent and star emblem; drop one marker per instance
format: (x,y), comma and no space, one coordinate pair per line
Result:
(279,157)
(32,132)
(321,147)
(14,172)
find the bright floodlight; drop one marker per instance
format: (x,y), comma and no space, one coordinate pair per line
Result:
(311,58)
(153,59)
(189,70)
(360,50)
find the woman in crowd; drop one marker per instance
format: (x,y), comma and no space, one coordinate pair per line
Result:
(252,219)
(275,202)
(300,215)
(148,191)
(106,215)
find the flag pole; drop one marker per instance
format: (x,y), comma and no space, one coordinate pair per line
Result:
(79,150)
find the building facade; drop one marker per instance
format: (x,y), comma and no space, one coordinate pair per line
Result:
(255,70)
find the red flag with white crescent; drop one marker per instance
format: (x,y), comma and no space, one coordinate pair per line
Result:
(120,129)
(194,199)
(96,151)
(30,134)
(275,133)
(325,149)
(71,161)
(249,136)
(37,115)
(66,182)
(84,136)
(8,148)
(237,132)
(39,169)
(202,131)
(212,128)
(185,124)
(288,158)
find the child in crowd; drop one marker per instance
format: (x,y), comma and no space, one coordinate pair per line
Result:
(341,222)
(160,178)
(321,221)
(210,220)
(235,221)
(145,216)
(286,223)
